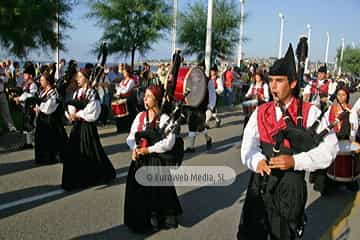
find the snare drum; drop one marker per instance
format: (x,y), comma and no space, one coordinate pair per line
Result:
(119,108)
(249,106)
(346,167)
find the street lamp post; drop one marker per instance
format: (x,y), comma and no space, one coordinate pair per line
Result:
(341,55)
(208,37)
(282,17)
(309,42)
(241,30)
(327,47)
(174,27)
(57,30)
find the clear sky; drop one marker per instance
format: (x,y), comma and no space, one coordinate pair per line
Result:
(340,17)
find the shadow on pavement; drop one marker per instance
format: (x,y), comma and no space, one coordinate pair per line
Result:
(205,201)
(118,232)
(11,167)
(327,211)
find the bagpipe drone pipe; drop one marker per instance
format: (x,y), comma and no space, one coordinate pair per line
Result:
(63,82)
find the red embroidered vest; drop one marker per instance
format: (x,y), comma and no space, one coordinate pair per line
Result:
(268,127)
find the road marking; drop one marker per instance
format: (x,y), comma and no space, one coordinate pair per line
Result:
(61,191)
(31,199)
(42,196)
(227,145)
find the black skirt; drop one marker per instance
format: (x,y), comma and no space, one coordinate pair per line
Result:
(50,139)
(143,201)
(86,163)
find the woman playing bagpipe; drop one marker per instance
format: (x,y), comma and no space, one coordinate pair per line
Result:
(150,207)
(279,146)
(86,163)
(345,131)
(50,135)
(124,105)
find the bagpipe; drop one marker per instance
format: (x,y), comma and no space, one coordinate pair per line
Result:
(94,78)
(150,136)
(301,139)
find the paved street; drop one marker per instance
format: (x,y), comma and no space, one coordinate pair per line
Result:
(33,206)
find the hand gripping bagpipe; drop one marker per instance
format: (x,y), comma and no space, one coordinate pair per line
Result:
(150,136)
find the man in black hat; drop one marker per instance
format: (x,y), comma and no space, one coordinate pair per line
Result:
(317,91)
(276,195)
(30,89)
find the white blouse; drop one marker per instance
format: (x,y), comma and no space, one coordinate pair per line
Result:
(256,86)
(122,88)
(50,105)
(92,110)
(353,121)
(162,146)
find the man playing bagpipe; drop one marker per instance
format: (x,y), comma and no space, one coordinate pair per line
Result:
(273,148)
(28,99)
(317,91)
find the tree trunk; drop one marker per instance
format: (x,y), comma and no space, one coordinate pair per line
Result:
(132,57)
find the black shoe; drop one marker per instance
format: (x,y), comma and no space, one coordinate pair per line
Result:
(189,150)
(218,123)
(154,223)
(352,186)
(27,146)
(209,144)
(170,222)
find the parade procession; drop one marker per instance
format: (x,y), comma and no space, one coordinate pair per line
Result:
(179,120)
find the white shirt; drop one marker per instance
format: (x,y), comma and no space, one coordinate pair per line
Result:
(50,105)
(353,119)
(31,93)
(219,86)
(160,147)
(92,110)
(124,87)
(332,87)
(319,157)
(257,86)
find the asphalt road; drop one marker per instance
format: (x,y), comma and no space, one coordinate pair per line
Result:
(33,206)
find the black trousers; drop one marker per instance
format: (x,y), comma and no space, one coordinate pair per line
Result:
(279,212)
